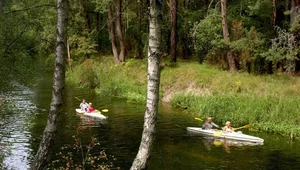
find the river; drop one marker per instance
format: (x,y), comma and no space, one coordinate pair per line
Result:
(120,135)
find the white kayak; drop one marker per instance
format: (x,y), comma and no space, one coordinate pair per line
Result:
(226,135)
(96,114)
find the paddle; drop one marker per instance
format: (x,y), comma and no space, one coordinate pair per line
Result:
(233,129)
(77,98)
(102,111)
(246,126)
(197,118)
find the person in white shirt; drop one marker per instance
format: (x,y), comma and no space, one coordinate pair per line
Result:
(83,105)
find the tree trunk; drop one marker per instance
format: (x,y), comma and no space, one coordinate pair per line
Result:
(174,30)
(40,160)
(186,4)
(295,10)
(184,37)
(69,55)
(141,159)
(274,13)
(140,16)
(230,58)
(122,54)
(287,3)
(112,36)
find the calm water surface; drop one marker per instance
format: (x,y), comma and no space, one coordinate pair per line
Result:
(120,135)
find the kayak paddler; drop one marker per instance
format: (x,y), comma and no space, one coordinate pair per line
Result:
(228,127)
(209,124)
(83,105)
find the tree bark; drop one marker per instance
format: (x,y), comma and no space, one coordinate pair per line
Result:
(122,54)
(150,118)
(40,160)
(230,58)
(295,10)
(140,16)
(112,36)
(174,30)
(274,13)
(186,4)
(69,56)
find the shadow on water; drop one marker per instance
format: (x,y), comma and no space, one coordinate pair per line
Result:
(120,135)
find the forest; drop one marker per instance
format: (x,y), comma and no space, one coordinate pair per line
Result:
(255,36)
(247,37)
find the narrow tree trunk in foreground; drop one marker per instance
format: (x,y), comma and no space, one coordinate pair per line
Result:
(174,30)
(150,118)
(112,36)
(40,160)
(230,59)
(122,54)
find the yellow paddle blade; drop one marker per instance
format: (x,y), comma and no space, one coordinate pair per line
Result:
(104,110)
(217,143)
(97,111)
(246,126)
(197,118)
(218,133)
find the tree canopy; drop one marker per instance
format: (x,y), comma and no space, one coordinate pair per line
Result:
(264,34)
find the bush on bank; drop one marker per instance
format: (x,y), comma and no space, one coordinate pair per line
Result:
(268,102)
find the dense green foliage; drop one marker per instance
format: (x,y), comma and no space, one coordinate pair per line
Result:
(28,30)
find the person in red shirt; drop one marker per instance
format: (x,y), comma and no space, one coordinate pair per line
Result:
(90,108)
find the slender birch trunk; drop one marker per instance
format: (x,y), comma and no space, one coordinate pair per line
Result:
(40,160)
(112,36)
(230,58)
(150,118)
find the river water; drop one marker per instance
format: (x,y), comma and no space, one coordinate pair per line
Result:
(120,135)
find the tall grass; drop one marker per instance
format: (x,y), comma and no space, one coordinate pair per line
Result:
(125,80)
(266,113)
(269,102)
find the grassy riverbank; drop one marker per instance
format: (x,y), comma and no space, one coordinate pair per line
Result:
(268,102)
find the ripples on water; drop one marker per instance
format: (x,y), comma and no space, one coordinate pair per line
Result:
(15,133)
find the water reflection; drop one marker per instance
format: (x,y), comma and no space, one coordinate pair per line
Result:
(15,134)
(227,144)
(87,121)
